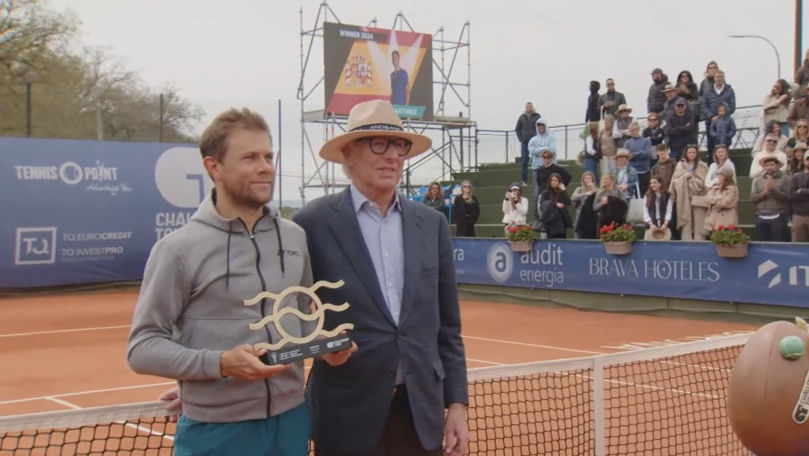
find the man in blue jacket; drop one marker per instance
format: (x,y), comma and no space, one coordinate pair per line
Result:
(716,94)
(404,391)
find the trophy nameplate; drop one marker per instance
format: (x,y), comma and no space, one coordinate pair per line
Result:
(291,348)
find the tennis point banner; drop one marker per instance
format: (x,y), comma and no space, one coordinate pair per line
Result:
(772,273)
(90,211)
(364,63)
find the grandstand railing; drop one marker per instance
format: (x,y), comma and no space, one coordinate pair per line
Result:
(495,146)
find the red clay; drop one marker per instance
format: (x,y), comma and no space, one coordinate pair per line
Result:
(89,355)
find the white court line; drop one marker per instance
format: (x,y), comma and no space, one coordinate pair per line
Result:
(145,429)
(525,344)
(65,403)
(62,331)
(79,393)
(485,362)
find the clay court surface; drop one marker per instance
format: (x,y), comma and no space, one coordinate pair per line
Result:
(68,351)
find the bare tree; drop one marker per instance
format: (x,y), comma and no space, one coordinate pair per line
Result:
(178,113)
(28,31)
(103,74)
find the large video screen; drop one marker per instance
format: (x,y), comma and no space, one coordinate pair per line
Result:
(365,63)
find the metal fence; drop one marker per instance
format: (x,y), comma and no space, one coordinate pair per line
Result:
(502,146)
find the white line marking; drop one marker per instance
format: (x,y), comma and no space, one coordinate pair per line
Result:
(552,347)
(79,393)
(485,362)
(62,331)
(65,403)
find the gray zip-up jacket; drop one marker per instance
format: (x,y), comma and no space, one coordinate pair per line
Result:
(191,309)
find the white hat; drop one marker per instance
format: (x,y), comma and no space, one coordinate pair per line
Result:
(373,118)
(657,235)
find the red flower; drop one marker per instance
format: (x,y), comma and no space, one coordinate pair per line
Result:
(526,228)
(721,227)
(732,227)
(627,227)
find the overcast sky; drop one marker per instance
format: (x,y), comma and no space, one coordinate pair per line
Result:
(247,52)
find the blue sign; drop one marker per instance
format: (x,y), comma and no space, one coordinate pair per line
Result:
(775,274)
(90,211)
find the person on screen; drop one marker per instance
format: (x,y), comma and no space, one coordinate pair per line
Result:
(405,390)
(399,82)
(190,322)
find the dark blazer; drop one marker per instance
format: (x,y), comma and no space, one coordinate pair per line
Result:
(349,403)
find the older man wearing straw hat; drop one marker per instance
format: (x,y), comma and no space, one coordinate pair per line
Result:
(395,257)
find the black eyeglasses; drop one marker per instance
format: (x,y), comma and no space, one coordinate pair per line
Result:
(653,119)
(803,126)
(379,145)
(772,140)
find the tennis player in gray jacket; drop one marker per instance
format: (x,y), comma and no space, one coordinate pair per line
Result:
(191,323)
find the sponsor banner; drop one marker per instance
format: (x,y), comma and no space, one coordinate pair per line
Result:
(90,211)
(365,63)
(775,274)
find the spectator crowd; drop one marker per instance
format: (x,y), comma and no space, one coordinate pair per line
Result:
(653,173)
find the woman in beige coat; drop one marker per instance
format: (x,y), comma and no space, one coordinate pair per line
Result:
(688,190)
(723,199)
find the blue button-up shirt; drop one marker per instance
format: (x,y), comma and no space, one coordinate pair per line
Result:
(385,242)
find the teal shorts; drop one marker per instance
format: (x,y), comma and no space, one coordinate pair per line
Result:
(284,435)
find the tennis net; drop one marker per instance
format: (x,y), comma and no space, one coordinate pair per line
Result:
(659,401)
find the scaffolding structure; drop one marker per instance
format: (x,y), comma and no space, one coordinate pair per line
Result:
(457,147)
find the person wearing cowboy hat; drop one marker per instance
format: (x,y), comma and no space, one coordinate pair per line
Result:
(723,200)
(620,129)
(770,196)
(799,197)
(657,211)
(670,92)
(626,177)
(770,150)
(404,391)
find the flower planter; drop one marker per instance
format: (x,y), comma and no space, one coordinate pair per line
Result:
(618,248)
(521,246)
(731,251)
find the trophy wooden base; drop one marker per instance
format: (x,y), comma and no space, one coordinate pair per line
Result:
(292,353)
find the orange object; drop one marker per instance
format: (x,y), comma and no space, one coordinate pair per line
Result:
(768,393)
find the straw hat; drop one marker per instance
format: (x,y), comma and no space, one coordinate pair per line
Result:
(765,157)
(624,107)
(623,153)
(657,235)
(373,118)
(669,87)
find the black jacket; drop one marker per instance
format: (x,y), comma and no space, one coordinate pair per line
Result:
(656,98)
(465,215)
(680,132)
(544,174)
(656,136)
(593,113)
(526,126)
(554,220)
